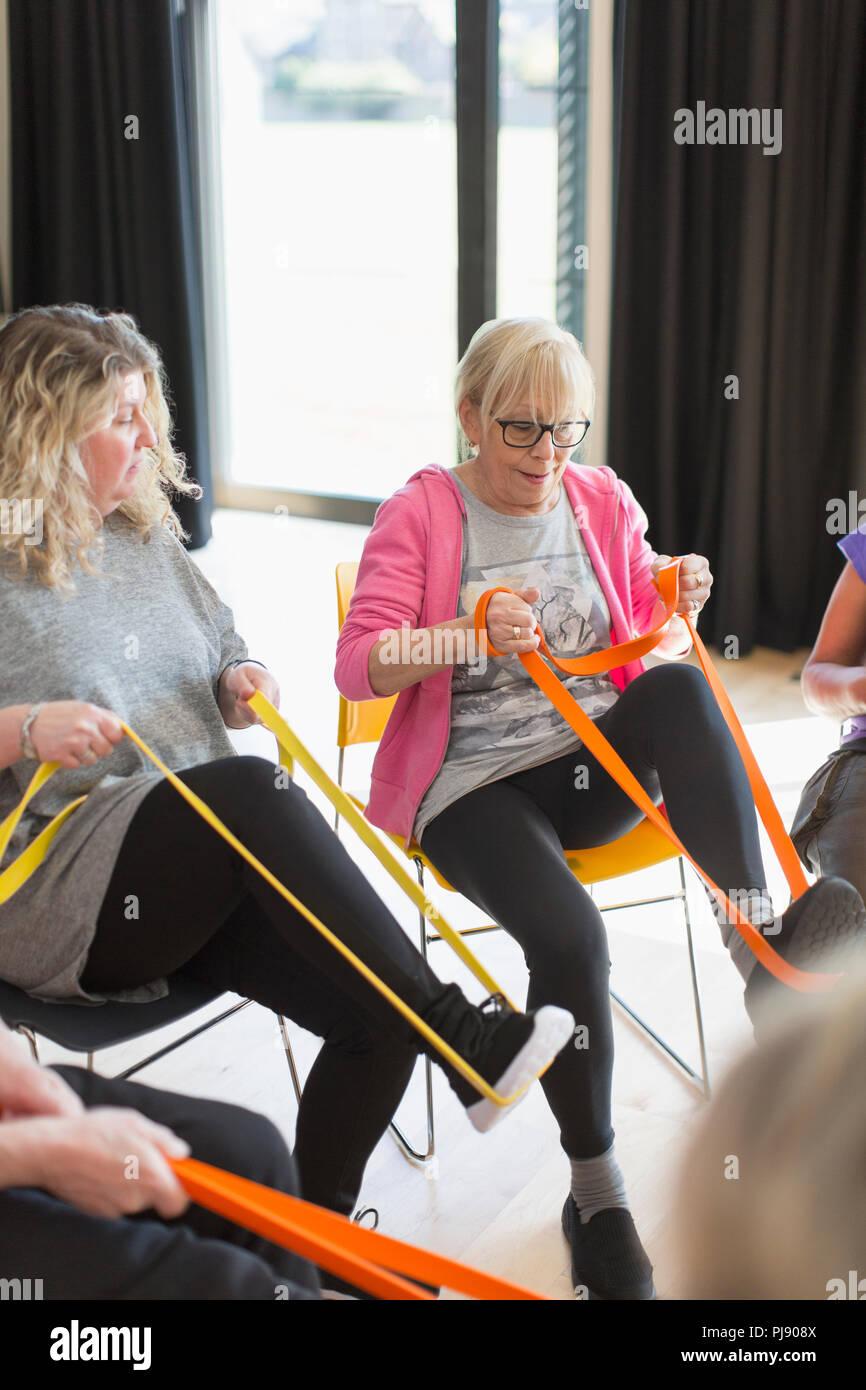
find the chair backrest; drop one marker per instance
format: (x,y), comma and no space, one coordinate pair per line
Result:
(359,721)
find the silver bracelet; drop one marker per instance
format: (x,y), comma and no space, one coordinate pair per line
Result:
(245,661)
(25,743)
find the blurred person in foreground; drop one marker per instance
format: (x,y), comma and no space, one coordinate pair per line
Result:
(771,1193)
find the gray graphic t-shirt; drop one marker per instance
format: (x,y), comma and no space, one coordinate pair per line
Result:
(501,722)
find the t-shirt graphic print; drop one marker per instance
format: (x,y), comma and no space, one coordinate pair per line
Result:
(501,722)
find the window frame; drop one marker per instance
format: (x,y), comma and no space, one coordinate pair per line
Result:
(477,134)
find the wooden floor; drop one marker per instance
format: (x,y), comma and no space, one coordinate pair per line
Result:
(494,1199)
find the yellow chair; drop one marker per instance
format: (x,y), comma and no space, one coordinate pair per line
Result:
(364,722)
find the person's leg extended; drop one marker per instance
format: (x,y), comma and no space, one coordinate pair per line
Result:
(359,1075)
(499,848)
(187,882)
(669,730)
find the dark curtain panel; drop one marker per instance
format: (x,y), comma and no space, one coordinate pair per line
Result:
(732,262)
(101,217)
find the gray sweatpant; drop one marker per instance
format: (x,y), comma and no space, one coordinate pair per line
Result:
(829,828)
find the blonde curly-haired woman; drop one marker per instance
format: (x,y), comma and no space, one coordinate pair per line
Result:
(106,617)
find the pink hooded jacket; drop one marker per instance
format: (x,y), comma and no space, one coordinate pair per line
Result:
(410,573)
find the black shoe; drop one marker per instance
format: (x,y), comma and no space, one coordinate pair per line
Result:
(508,1049)
(607,1258)
(821,931)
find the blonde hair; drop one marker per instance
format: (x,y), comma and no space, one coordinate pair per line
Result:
(61,367)
(524,359)
(771,1195)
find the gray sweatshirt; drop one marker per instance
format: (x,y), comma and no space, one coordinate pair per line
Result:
(149,641)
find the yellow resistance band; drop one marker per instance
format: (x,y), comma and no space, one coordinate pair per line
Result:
(289,746)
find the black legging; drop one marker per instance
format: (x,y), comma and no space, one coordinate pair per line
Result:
(203,911)
(502,846)
(145,1256)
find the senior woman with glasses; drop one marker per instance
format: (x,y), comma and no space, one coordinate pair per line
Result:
(105,617)
(479,767)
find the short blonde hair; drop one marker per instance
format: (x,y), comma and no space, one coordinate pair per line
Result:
(61,367)
(771,1193)
(525,359)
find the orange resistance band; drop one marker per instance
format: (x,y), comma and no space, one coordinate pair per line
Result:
(605,660)
(363,1258)
(368,1259)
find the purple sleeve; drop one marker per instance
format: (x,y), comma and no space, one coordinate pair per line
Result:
(854,548)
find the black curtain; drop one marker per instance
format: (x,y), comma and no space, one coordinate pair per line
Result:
(104,198)
(729,261)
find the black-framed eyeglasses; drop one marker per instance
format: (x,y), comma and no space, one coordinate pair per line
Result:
(523,434)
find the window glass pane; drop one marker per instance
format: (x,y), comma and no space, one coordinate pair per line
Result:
(528,67)
(338,173)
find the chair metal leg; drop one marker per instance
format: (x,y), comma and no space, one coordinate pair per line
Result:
(340,757)
(90,1061)
(290,1058)
(666,1047)
(397,1133)
(31,1038)
(193,1033)
(702,1080)
(699,1017)
(399,1137)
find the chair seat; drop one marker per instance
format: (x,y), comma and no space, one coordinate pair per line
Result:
(89,1028)
(640,848)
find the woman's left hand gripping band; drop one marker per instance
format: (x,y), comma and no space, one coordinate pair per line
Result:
(696,581)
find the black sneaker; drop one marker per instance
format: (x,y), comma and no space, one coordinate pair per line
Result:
(607,1258)
(507,1048)
(823,930)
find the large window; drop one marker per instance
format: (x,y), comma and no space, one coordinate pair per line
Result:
(340,235)
(337,196)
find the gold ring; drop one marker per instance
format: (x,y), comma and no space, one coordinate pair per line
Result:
(516,631)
